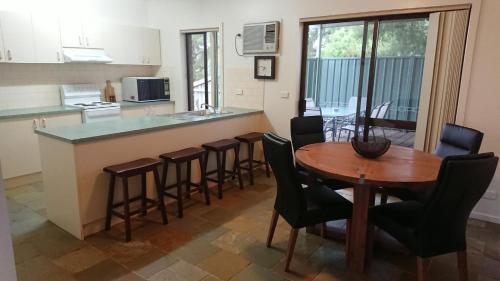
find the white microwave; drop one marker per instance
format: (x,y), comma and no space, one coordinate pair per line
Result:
(144,89)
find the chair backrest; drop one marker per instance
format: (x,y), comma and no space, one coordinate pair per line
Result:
(315,111)
(353,101)
(382,113)
(375,111)
(458,140)
(462,181)
(310,103)
(306,130)
(290,201)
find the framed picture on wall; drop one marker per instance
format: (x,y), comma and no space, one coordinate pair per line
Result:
(265,67)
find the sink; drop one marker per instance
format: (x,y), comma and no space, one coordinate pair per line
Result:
(199,114)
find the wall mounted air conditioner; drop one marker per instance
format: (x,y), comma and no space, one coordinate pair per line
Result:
(261,38)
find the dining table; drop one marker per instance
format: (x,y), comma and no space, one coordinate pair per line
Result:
(399,167)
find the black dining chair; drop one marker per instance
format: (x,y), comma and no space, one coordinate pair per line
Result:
(308,130)
(438,225)
(458,140)
(454,140)
(299,206)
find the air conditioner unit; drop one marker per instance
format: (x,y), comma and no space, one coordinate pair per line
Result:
(261,38)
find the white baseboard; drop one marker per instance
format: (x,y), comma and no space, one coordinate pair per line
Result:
(485,217)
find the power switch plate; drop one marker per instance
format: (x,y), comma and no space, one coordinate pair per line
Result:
(238,92)
(284,94)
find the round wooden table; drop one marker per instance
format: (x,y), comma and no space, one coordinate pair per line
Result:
(400,167)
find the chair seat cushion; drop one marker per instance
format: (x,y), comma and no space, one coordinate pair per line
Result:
(324,204)
(399,219)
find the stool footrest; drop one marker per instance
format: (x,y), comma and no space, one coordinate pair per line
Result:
(137,198)
(134,212)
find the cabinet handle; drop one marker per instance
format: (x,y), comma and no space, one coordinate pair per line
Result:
(35,125)
(9,54)
(80,40)
(44,123)
(87,41)
(58,56)
(1,56)
(149,59)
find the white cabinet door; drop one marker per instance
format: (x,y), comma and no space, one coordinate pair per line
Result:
(92,33)
(72,32)
(19,153)
(114,42)
(151,46)
(47,35)
(54,121)
(17,31)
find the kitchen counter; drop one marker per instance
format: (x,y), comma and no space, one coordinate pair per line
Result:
(61,109)
(126,126)
(73,157)
(37,111)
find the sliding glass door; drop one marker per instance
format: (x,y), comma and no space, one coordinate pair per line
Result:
(364,76)
(202,69)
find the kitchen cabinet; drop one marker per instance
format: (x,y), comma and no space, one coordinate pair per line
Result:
(18,38)
(47,37)
(2,56)
(19,152)
(151,108)
(143,44)
(79,32)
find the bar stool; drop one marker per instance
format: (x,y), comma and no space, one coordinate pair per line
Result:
(178,158)
(220,148)
(250,139)
(124,171)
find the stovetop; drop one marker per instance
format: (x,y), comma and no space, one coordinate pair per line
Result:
(86,96)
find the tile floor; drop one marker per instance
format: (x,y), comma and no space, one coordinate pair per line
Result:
(225,241)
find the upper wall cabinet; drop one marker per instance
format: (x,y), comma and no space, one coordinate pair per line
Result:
(17,33)
(143,44)
(47,35)
(77,32)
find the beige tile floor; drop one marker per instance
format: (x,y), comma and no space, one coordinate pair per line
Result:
(225,241)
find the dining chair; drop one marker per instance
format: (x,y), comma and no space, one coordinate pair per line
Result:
(438,225)
(454,140)
(308,130)
(300,207)
(458,140)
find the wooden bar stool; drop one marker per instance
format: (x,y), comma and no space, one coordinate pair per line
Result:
(178,158)
(124,171)
(220,148)
(250,139)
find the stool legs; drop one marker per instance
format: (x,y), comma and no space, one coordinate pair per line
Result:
(220,173)
(237,164)
(250,162)
(179,190)
(188,180)
(109,209)
(203,181)
(159,193)
(126,210)
(144,201)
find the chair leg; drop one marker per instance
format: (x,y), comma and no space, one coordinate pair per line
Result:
(159,193)
(188,180)
(272,227)
(250,162)
(179,190)
(126,210)
(462,266)
(422,268)
(144,195)
(291,247)
(203,181)
(237,163)
(219,175)
(347,236)
(109,209)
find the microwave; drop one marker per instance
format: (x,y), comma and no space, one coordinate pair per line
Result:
(144,89)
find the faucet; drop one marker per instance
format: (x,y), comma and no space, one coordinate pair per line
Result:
(208,106)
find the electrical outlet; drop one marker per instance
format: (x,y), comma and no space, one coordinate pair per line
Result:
(284,94)
(238,92)
(490,195)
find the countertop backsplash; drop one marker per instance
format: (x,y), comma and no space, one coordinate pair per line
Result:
(37,85)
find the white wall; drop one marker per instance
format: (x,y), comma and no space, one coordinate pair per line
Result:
(34,85)
(481,110)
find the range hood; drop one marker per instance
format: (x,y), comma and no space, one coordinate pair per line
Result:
(81,55)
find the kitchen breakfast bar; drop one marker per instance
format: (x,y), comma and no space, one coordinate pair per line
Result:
(73,157)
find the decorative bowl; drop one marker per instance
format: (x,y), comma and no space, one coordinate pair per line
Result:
(373,148)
